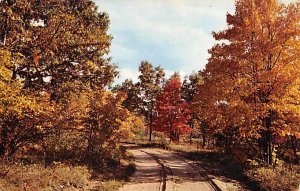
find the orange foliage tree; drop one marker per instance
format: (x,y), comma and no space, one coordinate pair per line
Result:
(251,83)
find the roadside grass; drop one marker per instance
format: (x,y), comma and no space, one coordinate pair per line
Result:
(15,175)
(279,178)
(35,177)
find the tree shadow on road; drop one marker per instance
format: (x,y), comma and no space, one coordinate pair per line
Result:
(222,165)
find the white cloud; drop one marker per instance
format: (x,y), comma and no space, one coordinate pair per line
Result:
(181,73)
(169,30)
(288,1)
(126,73)
(175,34)
(122,53)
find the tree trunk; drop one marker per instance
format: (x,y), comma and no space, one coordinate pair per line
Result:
(3,142)
(150,128)
(203,137)
(267,140)
(294,147)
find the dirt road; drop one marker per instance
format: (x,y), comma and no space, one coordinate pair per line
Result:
(161,170)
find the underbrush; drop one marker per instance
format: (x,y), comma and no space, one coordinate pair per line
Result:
(19,175)
(36,177)
(279,178)
(33,177)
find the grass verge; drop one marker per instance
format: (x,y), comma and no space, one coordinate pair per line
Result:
(16,176)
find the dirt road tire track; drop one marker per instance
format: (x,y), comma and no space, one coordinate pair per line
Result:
(198,168)
(163,171)
(173,172)
(182,174)
(148,175)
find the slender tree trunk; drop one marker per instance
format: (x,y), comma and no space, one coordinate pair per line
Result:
(203,141)
(177,135)
(226,143)
(4,37)
(270,156)
(267,140)
(150,127)
(260,149)
(294,147)
(89,146)
(192,126)
(3,142)
(203,137)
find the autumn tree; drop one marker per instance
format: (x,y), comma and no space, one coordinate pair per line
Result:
(189,91)
(252,78)
(54,42)
(22,115)
(56,56)
(65,139)
(141,96)
(189,86)
(172,112)
(132,101)
(150,84)
(104,124)
(133,128)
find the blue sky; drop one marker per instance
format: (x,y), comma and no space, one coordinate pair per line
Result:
(174,34)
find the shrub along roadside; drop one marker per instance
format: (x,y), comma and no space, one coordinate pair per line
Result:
(280,178)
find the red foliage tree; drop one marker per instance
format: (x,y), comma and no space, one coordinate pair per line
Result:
(172,112)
